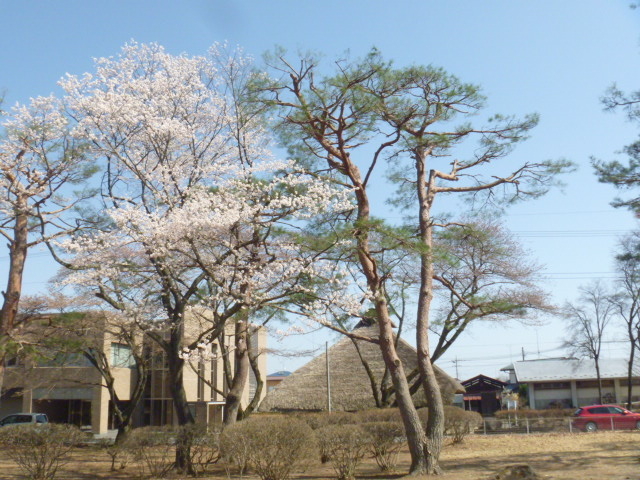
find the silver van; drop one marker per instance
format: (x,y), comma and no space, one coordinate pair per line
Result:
(22,418)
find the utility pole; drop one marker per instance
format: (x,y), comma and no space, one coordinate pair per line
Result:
(326,349)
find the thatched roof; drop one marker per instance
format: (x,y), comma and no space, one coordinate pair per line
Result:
(306,388)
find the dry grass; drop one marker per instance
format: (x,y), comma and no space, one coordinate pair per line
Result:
(602,455)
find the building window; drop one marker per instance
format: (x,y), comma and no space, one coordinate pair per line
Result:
(625,382)
(214,372)
(593,383)
(121,356)
(62,359)
(201,377)
(552,385)
(11,362)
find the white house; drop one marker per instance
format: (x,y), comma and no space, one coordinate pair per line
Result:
(571,382)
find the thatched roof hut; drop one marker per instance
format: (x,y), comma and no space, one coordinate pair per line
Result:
(306,388)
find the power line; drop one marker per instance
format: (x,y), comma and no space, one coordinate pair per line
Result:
(579,273)
(500,357)
(29,255)
(528,214)
(569,233)
(576,212)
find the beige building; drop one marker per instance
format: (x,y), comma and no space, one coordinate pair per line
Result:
(70,390)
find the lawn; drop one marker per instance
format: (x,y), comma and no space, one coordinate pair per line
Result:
(578,456)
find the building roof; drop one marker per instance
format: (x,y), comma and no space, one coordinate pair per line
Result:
(482,383)
(570,369)
(280,374)
(306,388)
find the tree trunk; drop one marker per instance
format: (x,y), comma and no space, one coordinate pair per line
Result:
(178,395)
(176,381)
(11,296)
(2,368)
(435,422)
(17,259)
(125,423)
(413,428)
(124,427)
(241,375)
(597,362)
(632,354)
(253,362)
(630,377)
(123,416)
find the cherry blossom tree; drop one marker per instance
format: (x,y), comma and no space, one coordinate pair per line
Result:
(199,218)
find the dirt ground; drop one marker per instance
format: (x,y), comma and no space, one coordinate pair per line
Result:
(582,456)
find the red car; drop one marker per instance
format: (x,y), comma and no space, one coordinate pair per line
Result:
(605,417)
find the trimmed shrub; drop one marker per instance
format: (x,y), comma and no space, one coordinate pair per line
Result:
(202,445)
(387,438)
(379,415)
(345,446)
(272,447)
(235,446)
(458,423)
(40,450)
(153,449)
(118,453)
(318,420)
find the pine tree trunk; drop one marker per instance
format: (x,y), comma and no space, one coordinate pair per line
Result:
(11,301)
(413,427)
(435,422)
(2,368)
(17,260)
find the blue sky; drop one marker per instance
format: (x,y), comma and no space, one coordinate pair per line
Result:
(552,57)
